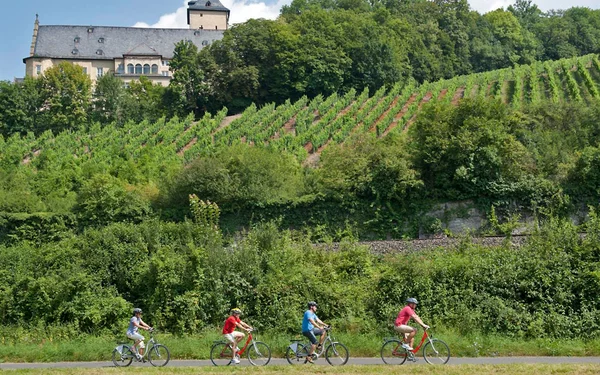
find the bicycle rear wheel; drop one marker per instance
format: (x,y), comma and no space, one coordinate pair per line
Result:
(392,352)
(298,356)
(337,354)
(436,352)
(259,353)
(221,354)
(122,358)
(159,355)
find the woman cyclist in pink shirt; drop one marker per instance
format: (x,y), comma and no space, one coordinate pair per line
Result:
(401,323)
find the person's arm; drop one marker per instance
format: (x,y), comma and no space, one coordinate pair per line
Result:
(243,325)
(418,320)
(143,325)
(320,325)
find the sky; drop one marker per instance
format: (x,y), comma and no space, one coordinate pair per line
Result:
(17,17)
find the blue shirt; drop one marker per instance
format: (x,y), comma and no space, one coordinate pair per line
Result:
(132,327)
(306,324)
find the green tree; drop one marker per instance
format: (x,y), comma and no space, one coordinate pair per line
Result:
(108,96)
(188,82)
(65,92)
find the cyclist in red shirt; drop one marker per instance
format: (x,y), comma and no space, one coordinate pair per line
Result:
(233,336)
(401,323)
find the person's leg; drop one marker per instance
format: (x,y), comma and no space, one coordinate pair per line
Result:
(232,343)
(411,337)
(239,336)
(408,333)
(313,343)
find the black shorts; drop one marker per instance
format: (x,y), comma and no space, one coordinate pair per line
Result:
(312,335)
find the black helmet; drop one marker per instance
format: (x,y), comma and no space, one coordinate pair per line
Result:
(137,310)
(412,300)
(311,304)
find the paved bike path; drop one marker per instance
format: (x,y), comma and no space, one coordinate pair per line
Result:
(321,361)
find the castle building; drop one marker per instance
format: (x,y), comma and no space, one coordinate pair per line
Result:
(126,52)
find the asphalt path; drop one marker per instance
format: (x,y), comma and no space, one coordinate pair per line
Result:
(321,361)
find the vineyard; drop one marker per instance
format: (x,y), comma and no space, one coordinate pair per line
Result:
(306,127)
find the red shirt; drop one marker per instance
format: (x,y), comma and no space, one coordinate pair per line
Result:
(404,316)
(230,324)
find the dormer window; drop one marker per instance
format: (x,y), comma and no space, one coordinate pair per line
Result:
(208,3)
(205,42)
(90,30)
(77,39)
(196,32)
(99,52)
(75,51)
(100,40)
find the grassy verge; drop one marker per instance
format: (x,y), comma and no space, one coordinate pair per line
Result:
(198,347)
(522,369)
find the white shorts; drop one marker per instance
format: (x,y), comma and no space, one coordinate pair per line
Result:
(136,337)
(232,336)
(404,328)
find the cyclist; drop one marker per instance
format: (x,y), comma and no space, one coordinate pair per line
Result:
(233,336)
(132,332)
(309,322)
(401,326)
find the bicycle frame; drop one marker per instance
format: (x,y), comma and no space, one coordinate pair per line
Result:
(415,350)
(250,338)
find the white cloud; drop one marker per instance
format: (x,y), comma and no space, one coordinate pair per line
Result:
(240,11)
(483,6)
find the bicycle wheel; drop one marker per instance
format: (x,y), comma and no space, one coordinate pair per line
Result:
(259,354)
(392,352)
(297,357)
(159,355)
(337,354)
(221,354)
(436,352)
(122,358)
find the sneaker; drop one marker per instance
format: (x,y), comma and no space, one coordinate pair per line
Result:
(235,361)
(310,360)
(406,346)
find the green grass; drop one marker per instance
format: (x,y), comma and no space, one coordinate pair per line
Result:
(523,369)
(198,347)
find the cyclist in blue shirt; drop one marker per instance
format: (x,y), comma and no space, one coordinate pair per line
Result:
(312,327)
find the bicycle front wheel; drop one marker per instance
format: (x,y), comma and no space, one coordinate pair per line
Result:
(436,352)
(337,354)
(259,353)
(298,356)
(159,355)
(123,358)
(392,352)
(221,354)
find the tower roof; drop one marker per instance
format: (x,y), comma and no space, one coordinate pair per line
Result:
(207,5)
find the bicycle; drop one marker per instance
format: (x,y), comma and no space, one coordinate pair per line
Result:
(259,353)
(335,352)
(435,351)
(157,354)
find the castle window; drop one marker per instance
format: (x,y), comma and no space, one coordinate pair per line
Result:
(165,63)
(154,69)
(90,30)
(77,39)
(75,51)
(208,3)
(38,69)
(130,69)
(165,74)
(99,52)
(100,40)
(146,69)
(120,69)
(138,68)
(216,28)
(99,72)
(205,42)
(201,27)
(196,32)
(84,70)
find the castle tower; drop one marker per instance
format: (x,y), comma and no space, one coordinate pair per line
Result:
(207,15)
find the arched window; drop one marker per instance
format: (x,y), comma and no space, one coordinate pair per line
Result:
(146,69)
(154,69)
(130,69)
(138,68)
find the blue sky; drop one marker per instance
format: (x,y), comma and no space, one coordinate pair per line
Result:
(17,17)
